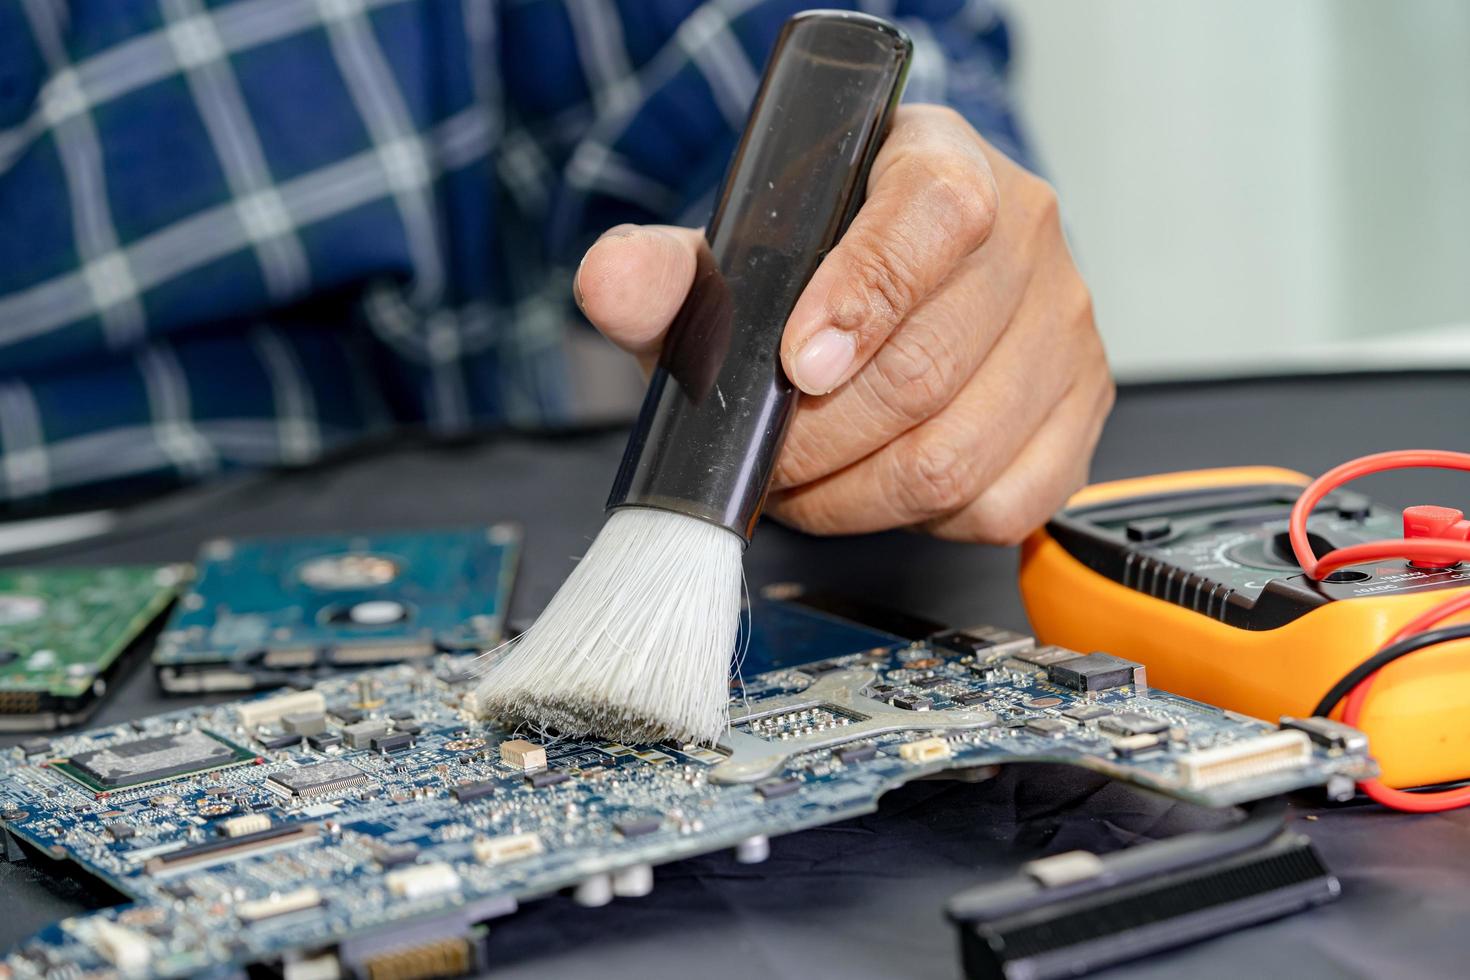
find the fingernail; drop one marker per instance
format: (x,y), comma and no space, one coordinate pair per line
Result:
(823,361)
(617,231)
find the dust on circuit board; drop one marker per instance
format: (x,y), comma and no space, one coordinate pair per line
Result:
(270,611)
(374,817)
(63,633)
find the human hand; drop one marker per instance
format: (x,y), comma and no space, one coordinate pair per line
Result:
(953,374)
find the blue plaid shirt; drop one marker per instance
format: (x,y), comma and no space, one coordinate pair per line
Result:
(244,233)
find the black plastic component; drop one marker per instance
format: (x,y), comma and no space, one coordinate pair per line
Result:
(927,682)
(774,789)
(1131,723)
(719,403)
(1094,672)
(961,642)
(1021,928)
(1047,726)
(1328,733)
(1148,529)
(1350,505)
(970,697)
(851,754)
(397,742)
(1127,748)
(36,746)
(178,889)
(912,702)
(1046,656)
(469,792)
(547,777)
(639,827)
(281,741)
(324,741)
(228,844)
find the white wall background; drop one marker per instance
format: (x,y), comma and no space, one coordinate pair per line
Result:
(1258,182)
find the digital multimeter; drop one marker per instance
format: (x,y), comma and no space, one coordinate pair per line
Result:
(1192,574)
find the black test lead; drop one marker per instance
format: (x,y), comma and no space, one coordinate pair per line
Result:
(637,643)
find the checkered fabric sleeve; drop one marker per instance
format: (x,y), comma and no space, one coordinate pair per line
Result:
(244,232)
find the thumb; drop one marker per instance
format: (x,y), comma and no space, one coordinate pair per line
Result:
(633,280)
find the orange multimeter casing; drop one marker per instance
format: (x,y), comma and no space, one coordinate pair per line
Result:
(1192,575)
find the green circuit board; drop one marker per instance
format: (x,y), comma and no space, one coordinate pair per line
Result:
(63,630)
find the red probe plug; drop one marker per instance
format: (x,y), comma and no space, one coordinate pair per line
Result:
(1442,533)
(1432,521)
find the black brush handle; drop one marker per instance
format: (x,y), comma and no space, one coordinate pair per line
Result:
(719,402)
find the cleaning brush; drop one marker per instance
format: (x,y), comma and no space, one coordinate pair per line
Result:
(638,642)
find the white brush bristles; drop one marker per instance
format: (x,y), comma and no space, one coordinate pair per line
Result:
(636,644)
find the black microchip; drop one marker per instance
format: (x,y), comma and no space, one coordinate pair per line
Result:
(401,715)
(324,741)
(1047,726)
(36,746)
(912,702)
(970,697)
(407,727)
(1328,733)
(150,759)
(384,744)
(393,855)
(1136,745)
(927,682)
(120,831)
(280,741)
(774,789)
(639,827)
(1086,712)
(820,668)
(881,689)
(1131,723)
(852,754)
(457,676)
(1095,672)
(545,778)
(961,642)
(319,779)
(178,889)
(349,716)
(469,792)
(1046,656)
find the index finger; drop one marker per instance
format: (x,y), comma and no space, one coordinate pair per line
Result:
(931,201)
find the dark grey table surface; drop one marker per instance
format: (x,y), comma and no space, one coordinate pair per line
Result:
(864,898)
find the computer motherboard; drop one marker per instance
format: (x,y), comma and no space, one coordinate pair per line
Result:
(370,826)
(63,633)
(270,611)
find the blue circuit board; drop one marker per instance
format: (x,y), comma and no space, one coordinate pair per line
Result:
(270,611)
(369,826)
